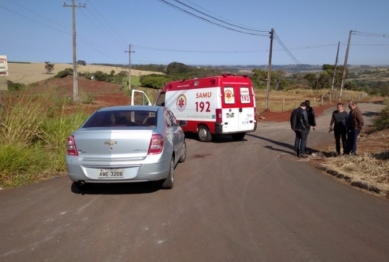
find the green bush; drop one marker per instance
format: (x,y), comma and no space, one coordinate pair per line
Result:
(64,73)
(15,86)
(153,81)
(382,121)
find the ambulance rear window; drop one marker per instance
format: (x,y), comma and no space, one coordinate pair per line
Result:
(229,96)
(245,95)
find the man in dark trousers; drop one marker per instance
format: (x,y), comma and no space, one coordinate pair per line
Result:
(311,118)
(355,124)
(338,125)
(300,125)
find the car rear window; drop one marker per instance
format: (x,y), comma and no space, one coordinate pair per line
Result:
(122,118)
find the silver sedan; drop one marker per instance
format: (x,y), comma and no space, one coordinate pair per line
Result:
(126,144)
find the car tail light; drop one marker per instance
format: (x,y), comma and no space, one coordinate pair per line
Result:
(219,116)
(71,146)
(156,144)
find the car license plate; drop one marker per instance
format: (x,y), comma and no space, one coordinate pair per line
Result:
(111,173)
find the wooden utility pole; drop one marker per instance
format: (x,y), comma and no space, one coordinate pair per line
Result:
(129,66)
(75,78)
(345,65)
(269,69)
(334,74)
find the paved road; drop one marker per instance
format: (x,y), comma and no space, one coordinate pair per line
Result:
(233,201)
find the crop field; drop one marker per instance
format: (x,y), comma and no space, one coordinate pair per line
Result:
(27,73)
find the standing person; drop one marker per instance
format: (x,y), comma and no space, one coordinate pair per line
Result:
(311,118)
(355,124)
(338,125)
(293,127)
(299,123)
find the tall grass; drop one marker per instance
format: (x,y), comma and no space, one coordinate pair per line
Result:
(33,132)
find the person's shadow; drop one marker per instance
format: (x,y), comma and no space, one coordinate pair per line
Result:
(278,143)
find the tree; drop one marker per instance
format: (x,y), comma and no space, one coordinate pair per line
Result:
(49,67)
(176,68)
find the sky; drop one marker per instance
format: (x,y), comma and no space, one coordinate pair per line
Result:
(196,32)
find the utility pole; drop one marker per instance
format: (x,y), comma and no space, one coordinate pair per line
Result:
(345,65)
(75,78)
(269,69)
(334,74)
(129,66)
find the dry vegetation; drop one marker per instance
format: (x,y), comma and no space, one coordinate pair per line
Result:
(27,73)
(368,170)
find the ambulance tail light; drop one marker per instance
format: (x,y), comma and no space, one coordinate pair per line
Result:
(219,116)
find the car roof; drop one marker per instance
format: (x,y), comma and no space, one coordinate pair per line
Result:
(129,107)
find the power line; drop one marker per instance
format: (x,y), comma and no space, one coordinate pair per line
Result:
(286,49)
(209,21)
(54,22)
(244,28)
(101,28)
(211,12)
(370,34)
(35,21)
(113,30)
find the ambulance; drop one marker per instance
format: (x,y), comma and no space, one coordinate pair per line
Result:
(216,105)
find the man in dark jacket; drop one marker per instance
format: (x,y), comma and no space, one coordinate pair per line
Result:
(338,125)
(300,125)
(355,124)
(311,118)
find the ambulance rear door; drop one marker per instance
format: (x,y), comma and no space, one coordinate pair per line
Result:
(238,106)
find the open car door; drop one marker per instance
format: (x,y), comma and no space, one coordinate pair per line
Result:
(141,97)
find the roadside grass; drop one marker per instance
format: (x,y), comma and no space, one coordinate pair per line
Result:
(33,132)
(369,170)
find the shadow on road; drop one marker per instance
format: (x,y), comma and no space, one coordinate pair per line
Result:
(116,189)
(278,143)
(370,114)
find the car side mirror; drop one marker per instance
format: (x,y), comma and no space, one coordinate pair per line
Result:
(182,123)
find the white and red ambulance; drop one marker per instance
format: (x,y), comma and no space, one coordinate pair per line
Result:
(216,105)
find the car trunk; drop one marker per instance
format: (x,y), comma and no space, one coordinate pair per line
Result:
(123,144)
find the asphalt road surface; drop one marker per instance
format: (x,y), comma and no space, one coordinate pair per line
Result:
(233,201)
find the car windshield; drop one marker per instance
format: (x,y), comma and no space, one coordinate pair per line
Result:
(122,118)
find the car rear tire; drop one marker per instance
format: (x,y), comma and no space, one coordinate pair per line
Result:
(238,136)
(183,156)
(203,134)
(168,183)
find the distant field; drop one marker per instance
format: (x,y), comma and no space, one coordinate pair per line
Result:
(34,72)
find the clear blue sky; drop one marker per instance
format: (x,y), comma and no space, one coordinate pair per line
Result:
(41,30)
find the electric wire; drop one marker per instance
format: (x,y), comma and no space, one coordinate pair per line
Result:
(100,28)
(54,22)
(244,28)
(286,49)
(56,29)
(215,14)
(370,34)
(113,30)
(209,21)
